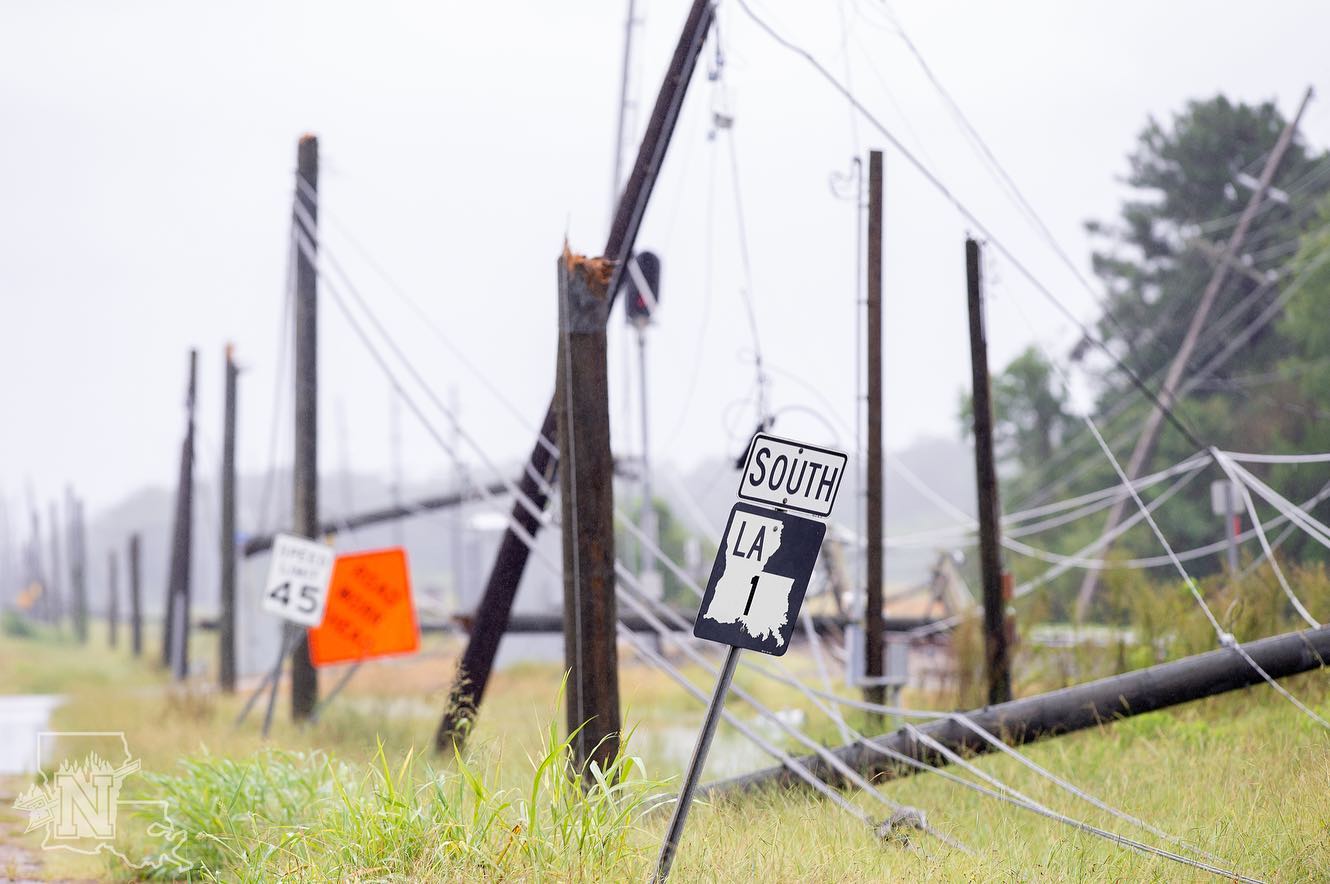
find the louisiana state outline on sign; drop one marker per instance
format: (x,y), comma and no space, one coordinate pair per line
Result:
(759,579)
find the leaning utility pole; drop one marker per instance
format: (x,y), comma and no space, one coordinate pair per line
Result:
(112,598)
(78,571)
(226,632)
(305,468)
(997,653)
(1168,392)
(509,562)
(135,598)
(175,646)
(874,689)
(586,485)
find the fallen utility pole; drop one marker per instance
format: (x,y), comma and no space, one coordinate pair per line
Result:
(586,492)
(997,651)
(874,689)
(1140,455)
(175,642)
(261,543)
(305,467)
(135,597)
(1060,712)
(510,560)
(226,639)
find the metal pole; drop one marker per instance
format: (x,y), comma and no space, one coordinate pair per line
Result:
(997,656)
(226,644)
(275,678)
(1231,525)
(305,469)
(695,765)
(647,520)
(874,691)
(623,105)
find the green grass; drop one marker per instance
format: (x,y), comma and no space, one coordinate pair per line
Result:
(1241,775)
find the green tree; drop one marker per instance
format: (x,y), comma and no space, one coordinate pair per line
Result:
(1030,417)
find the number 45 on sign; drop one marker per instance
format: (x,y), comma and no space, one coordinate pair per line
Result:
(298,576)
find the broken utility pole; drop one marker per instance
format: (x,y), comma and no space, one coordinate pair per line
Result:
(509,562)
(226,633)
(1082,706)
(1145,442)
(586,486)
(997,653)
(305,468)
(175,644)
(135,598)
(874,688)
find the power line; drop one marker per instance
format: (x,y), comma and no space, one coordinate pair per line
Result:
(974,219)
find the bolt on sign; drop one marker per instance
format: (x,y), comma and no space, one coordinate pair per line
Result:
(370,612)
(298,574)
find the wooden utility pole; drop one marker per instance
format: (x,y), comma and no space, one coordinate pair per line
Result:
(112,598)
(78,572)
(510,561)
(226,645)
(135,598)
(175,644)
(1145,442)
(53,586)
(586,486)
(305,469)
(1088,705)
(37,570)
(874,690)
(997,652)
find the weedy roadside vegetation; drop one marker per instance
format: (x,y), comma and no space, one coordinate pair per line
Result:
(309,816)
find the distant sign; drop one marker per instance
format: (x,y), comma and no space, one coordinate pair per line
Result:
(370,611)
(1224,497)
(297,584)
(792,475)
(758,581)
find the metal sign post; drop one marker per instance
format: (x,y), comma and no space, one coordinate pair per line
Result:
(759,579)
(695,764)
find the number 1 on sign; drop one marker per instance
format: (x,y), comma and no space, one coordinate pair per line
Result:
(752,592)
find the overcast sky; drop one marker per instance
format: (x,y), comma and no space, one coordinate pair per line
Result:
(146,175)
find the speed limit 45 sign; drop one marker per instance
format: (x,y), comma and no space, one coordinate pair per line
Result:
(298,576)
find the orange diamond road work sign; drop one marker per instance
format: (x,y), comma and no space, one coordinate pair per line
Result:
(369,613)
